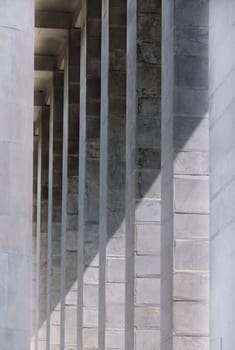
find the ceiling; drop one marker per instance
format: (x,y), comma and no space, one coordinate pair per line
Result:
(56,5)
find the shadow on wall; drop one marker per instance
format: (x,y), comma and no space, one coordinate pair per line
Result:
(191,131)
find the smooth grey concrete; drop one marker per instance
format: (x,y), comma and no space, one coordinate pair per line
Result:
(112,177)
(89,175)
(36,214)
(37,239)
(72,204)
(143,143)
(50,218)
(185,185)
(42,233)
(64,196)
(56,137)
(16,148)
(222,166)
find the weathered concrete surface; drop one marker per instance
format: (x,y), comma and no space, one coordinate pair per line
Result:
(43,234)
(72,196)
(53,308)
(112,177)
(16,158)
(222,166)
(143,143)
(89,152)
(185,186)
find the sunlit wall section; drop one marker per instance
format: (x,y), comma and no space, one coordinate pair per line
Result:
(185,185)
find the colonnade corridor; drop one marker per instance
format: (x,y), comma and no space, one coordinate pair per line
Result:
(117,175)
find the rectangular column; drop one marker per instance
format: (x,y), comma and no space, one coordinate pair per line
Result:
(112,177)
(72,195)
(16,172)
(185,187)
(42,230)
(50,220)
(143,206)
(36,228)
(37,242)
(89,175)
(64,198)
(222,170)
(55,251)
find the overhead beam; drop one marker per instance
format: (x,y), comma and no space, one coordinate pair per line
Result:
(52,19)
(45,63)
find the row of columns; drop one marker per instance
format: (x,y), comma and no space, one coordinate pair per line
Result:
(184,170)
(104,248)
(126,231)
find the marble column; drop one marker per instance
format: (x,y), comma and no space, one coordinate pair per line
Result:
(185,183)
(16,171)
(89,138)
(143,198)
(112,177)
(222,170)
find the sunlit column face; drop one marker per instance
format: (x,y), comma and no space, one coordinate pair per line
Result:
(221,79)
(185,181)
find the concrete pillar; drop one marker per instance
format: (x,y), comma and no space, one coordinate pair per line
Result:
(50,220)
(36,214)
(143,175)
(40,319)
(16,154)
(56,137)
(185,187)
(72,196)
(42,231)
(37,239)
(222,169)
(89,175)
(68,291)
(112,177)
(64,198)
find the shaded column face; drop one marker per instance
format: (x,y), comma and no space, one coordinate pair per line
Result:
(143,203)
(185,186)
(16,156)
(89,175)
(70,323)
(91,204)
(222,167)
(112,177)
(55,254)
(42,241)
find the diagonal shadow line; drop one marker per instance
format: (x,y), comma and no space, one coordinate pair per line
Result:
(187,133)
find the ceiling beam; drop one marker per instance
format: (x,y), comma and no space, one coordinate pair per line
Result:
(45,63)
(52,19)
